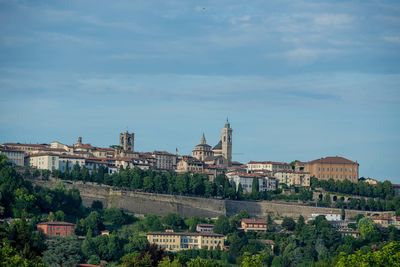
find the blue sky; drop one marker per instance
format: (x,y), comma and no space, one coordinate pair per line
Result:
(298,79)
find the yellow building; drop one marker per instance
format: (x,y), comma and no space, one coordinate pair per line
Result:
(172,241)
(336,168)
(189,164)
(293,178)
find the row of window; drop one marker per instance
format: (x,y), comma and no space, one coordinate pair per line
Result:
(336,169)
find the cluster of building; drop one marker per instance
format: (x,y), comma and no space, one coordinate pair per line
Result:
(58,156)
(204,159)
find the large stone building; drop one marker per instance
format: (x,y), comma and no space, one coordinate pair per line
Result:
(336,168)
(15,156)
(265,182)
(202,151)
(61,229)
(172,241)
(293,178)
(165,160)
(44,161)
(223,148)
(272,166)
(190,164)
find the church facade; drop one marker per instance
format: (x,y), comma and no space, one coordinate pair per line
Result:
(221,153)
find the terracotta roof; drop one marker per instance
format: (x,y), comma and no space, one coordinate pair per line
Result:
(70,156)
(7,149)
(333,160)
(205,225)
(185,233)
(163,153)
(104,149)
(268,162)
(56,223)
(253,220)
(43,154)
(29,145)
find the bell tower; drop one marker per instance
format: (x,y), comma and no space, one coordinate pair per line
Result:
(226,140)
(127,141)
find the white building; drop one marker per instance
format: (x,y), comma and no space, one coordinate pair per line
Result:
(330,217)
(68,161)
(260,166)
(14,156)
(44,161)
(265,183)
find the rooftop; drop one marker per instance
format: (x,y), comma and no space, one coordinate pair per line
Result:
(253,220)
(185,234)
(56,223)
(333,160)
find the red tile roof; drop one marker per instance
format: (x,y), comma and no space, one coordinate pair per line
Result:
(333,160)
(253,220)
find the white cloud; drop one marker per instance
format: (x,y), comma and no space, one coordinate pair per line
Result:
(392,39)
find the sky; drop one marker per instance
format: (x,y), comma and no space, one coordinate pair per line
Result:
(297,79)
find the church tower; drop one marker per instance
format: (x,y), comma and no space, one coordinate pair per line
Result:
(127,141)
(226,140)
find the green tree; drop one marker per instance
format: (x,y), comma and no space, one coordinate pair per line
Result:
(255,188)
(389,255)
(289,223)
(115,216)
(251,260)
(222,225)
(166,262)
(199,262)
(367,228)
(63,252)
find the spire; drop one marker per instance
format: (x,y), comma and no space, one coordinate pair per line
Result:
(227,124)
(203,140)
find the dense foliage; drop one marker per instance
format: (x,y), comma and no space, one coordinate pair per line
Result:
(379,197)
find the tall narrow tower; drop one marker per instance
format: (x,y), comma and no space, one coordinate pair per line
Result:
(226,140)
(127,141)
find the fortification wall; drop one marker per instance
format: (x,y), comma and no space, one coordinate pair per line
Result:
(159,204)
(263,208)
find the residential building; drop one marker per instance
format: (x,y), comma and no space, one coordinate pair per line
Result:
(204,228)
(165,160)
(16,157)
(261,166)
(44,161)
(330,217)
(62,229)
(336,168)
(370,181)
(67,162)
(265,183)
(108,164)
(293,178)
(174,241)
(140,162)
(103,152)
(27,148)
(342,226)
(253,224)
(189,164)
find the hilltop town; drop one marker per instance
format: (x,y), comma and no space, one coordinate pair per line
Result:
(203,208)
(204,159)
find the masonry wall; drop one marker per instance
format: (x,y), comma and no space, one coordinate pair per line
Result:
(148,203)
